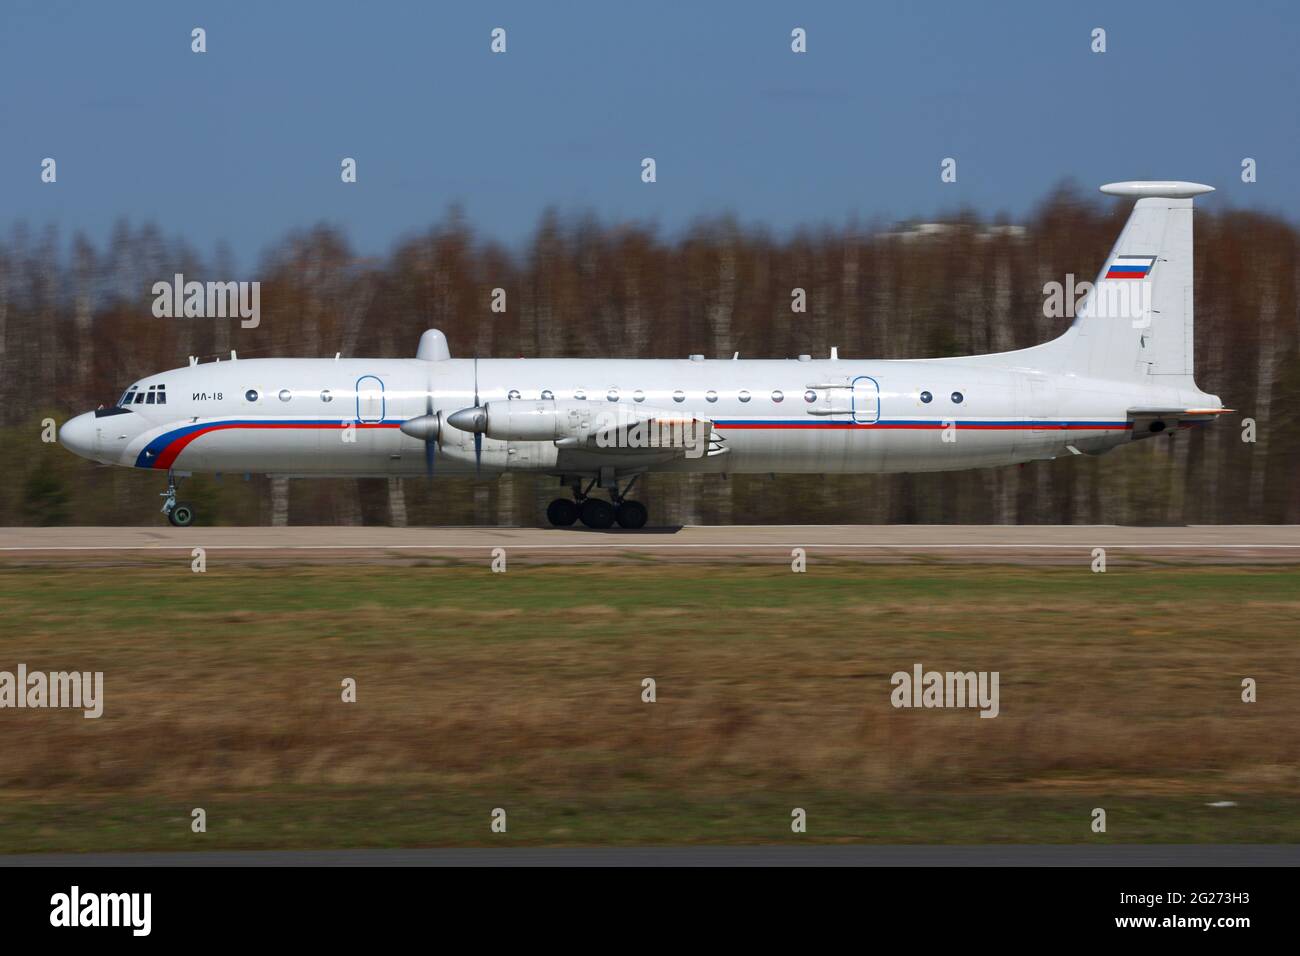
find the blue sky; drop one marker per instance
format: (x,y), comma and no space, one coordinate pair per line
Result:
(243,143)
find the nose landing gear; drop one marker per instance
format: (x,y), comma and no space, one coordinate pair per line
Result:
(595,513)
(180,515)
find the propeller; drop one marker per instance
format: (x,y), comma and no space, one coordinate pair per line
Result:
(430,443)
(478,433)
(427,428)
(473,419)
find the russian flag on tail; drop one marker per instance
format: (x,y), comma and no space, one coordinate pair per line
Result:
(1130,267)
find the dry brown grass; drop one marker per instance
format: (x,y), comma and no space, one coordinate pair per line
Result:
(230,682)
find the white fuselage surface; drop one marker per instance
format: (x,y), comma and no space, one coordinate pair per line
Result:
(342,416)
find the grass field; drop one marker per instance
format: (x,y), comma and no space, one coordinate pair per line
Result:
(523,691)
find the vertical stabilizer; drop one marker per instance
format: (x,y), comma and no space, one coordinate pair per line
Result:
(1137,322)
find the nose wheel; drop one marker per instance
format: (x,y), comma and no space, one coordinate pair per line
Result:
(595,513)
(180,515)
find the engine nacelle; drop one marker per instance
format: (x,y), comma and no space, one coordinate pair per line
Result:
(545,420)
(570,421)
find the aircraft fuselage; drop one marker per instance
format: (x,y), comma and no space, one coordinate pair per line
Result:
(1121,371)
(341,417)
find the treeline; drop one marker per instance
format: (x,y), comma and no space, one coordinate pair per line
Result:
(76,326)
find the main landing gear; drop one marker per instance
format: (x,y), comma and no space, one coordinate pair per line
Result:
(595,513)
(180,515)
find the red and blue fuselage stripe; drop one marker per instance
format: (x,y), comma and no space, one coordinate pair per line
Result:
(162,451)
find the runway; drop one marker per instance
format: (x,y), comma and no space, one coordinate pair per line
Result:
(1160,855)
(997,543)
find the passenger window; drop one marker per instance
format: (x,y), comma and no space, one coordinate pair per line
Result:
(326,395)
(743,396)
(638,396)
(547,395)
(612,395)
(710,396)
(679,396)
(778,396)
(513,395)
(926,398)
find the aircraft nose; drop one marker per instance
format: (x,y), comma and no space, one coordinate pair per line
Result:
(79,435)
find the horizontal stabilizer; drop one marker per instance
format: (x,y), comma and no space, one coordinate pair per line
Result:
(1145,422)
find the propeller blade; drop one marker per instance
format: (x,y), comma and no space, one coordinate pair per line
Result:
(430,443)
(478,435)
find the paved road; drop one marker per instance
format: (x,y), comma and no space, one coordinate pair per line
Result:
(1153,855)
(987,543)
(905,537)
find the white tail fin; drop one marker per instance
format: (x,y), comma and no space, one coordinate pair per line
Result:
(1136,323)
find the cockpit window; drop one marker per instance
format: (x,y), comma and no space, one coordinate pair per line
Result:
(135,395)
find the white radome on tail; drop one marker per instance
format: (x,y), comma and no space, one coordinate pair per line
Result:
(1121,372)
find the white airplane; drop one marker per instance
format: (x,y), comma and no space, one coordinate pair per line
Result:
(1120,373)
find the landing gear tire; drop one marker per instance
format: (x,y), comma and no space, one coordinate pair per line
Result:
(181,516)
(630,514)
(597,514)
(562,512)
